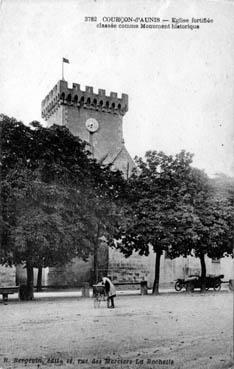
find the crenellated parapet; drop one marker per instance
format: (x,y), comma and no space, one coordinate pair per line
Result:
(62,95)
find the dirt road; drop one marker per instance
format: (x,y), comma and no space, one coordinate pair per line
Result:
(149,332)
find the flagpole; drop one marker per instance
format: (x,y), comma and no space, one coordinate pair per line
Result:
(64,60)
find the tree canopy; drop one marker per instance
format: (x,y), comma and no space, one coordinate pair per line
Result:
(53,195)
(56,202)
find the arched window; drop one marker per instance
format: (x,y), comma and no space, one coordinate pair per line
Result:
(82,100)
(62,96)
(112,105)
(107,104)
(119,106)
(69,98)
(88,101)
(101,103)
(75,99)
(94,102)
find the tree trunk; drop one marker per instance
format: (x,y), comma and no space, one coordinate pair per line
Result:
(157,273)
(29,281)
(95,255)
(203,273)
(95,263)
(39,278)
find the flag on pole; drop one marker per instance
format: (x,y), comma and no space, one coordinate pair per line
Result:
(66,61)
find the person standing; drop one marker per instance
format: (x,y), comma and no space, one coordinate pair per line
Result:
(110,291)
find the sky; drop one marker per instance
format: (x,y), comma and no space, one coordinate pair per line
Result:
(179,81)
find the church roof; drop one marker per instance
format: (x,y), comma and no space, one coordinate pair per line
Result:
(113,155)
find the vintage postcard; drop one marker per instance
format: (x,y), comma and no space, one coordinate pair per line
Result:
(148,79)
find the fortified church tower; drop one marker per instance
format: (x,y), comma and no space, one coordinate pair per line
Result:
(97,119)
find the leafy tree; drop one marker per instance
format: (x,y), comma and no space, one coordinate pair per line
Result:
(52,193)
(171,207)
(47,228)
(223,186)
(211,223)
(156,208)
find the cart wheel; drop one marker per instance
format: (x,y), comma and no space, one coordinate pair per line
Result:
(217,286)
(178,286)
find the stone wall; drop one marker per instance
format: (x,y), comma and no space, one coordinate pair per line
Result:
(78,272)
(107,139)
(58,117)
(73,274)
(137,268)
(7,276)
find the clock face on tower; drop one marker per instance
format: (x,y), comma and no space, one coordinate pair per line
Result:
(92,125)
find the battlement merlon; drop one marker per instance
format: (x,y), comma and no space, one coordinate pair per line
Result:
(62,95)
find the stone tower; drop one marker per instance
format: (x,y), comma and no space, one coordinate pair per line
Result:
(95,118)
